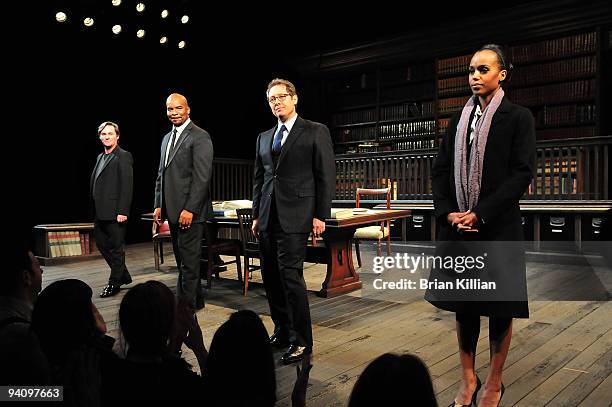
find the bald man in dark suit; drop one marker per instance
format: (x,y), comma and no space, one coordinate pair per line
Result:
(182,194)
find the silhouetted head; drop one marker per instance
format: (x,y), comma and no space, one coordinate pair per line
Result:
(394,380)
(63,318)
(21,275)
(146,317)
(241,348)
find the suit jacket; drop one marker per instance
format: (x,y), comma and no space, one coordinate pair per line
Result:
(508,168)
(185,182)
(112,194)
(303,181)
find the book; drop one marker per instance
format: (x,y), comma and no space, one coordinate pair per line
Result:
(345,213)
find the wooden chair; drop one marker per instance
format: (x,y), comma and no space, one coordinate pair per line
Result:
(250,244)
(160,235)
(379,232)
(212,247)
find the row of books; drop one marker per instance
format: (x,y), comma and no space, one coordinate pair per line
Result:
(451,105)
(405,73)
(68,243)
(556,93)
(555,71)
(454,65)
(414,145)
(355,134)
(563,115)
(354,116)
(407,110)
(559,47)
(443,125)
(455,85)
(409,129)
(419,91)
(566,132)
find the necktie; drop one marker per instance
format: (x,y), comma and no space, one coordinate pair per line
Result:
(172,141)
(276,146)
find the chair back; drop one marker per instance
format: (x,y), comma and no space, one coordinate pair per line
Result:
(371,192)
(245,221)
(162,231)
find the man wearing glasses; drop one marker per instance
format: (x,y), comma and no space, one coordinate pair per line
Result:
(294,184)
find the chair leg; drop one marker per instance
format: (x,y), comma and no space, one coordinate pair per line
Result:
(379,251)
(389,245)
(209,270)
(156,254)
(238,264)
(161,252)
(246,275)
(358,252)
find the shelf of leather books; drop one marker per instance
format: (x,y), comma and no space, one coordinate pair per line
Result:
(64,243)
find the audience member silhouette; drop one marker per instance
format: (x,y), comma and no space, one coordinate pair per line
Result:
(394,380)
(240,349)
(71,332)
(154,329)
(21,358)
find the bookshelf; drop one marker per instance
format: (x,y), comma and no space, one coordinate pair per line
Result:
(407,105)
(383,109)
(62,243)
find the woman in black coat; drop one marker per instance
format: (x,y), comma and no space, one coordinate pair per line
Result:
(484,166)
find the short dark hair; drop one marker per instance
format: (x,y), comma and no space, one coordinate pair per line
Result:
(504,63)
(146,316)
(256,362)
(379,382)
(18,261)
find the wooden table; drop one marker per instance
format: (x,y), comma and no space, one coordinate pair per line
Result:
(337,250)
(338,236)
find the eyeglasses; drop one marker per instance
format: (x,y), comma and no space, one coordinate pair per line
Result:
(280,98)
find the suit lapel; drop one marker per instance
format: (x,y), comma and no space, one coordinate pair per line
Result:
(111,158)
(179,142)
(295,132)
(93,174)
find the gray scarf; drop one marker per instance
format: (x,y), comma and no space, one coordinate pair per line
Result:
(467,181)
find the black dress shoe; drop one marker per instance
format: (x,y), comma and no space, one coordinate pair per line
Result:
(278,340)
(295,353)
(109,291)
(199,304)
(126,279)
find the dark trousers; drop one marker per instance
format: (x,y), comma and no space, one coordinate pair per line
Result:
(283,275)
(187,246)
(110,239)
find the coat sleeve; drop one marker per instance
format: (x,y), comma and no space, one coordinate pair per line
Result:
(258,175)
(522,166)
(444,199)
(324,168)
(126,180)
(157,203)
(202,159)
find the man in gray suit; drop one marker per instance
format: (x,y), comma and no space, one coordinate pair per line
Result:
(294,184)
(182,194)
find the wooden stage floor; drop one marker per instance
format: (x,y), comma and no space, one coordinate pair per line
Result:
(561,356)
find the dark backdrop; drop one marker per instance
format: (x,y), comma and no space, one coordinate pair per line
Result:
(64,80)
